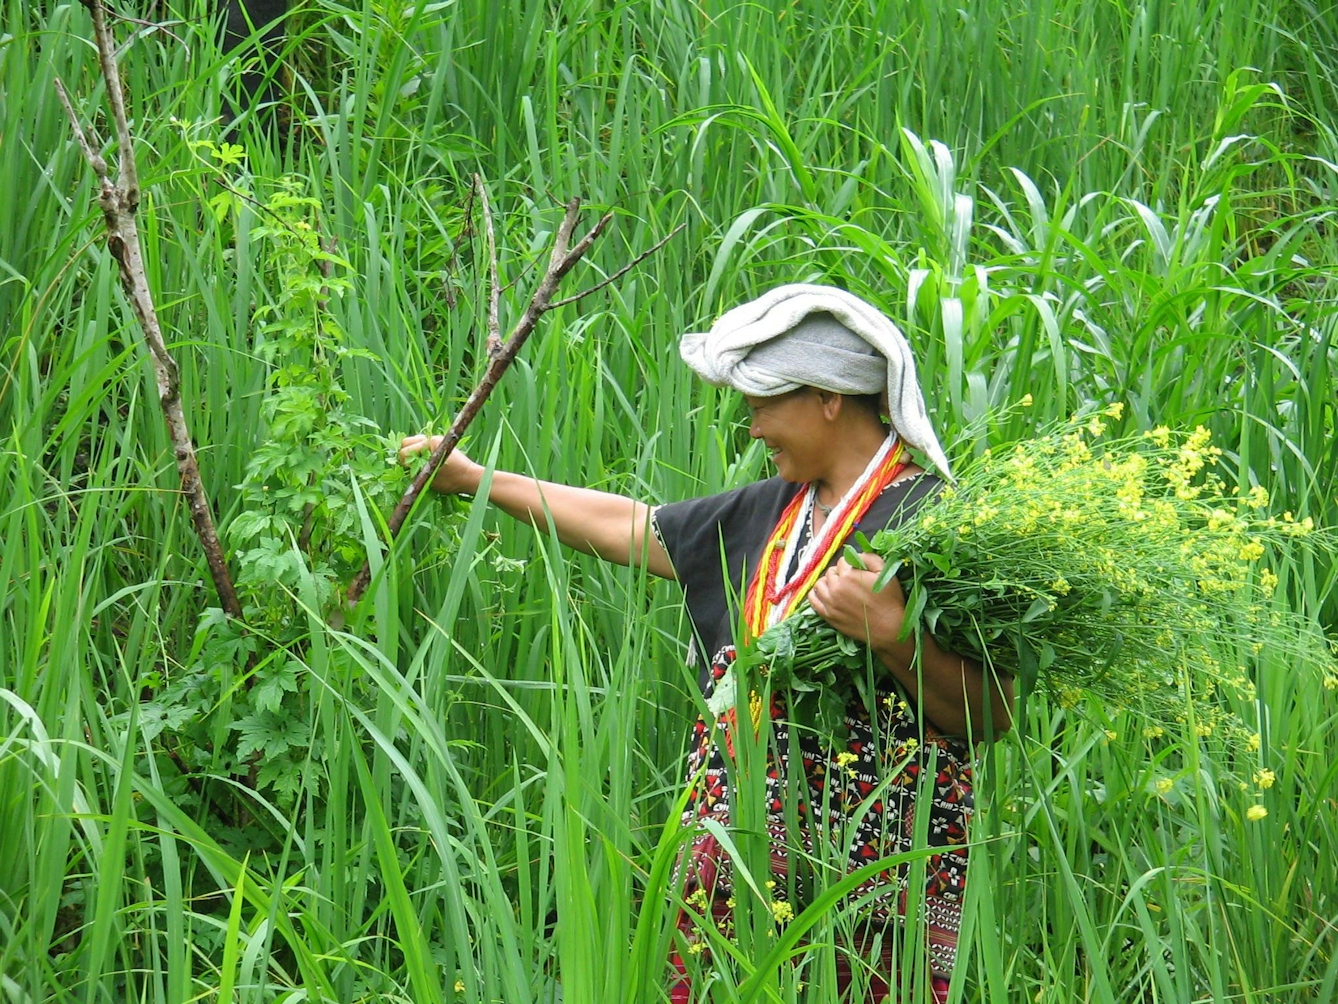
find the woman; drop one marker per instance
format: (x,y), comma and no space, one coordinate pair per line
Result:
(816,366)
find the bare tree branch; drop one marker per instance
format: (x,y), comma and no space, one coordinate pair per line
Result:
(119,201)
(621,272)
(563,258)
(494,342)
(128,181)
(91,155)
(151,26)
(563,238)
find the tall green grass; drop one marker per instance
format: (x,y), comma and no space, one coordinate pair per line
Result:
(1130,202)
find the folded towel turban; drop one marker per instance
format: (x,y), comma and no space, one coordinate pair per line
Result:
(805,335)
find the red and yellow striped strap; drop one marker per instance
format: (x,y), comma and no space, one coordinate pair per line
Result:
(766,591)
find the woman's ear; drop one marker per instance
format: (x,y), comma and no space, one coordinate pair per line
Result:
(831,404)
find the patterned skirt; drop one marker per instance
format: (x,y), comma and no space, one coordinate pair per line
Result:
(874,968)
(868,794)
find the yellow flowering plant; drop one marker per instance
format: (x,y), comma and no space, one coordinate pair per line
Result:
(1121,569)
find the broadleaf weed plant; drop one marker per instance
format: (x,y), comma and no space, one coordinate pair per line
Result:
(300,526)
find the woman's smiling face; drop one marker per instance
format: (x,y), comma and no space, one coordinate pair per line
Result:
(796,429)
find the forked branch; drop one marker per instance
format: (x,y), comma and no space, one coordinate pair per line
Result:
(563,258)
(494,342)
(119,200)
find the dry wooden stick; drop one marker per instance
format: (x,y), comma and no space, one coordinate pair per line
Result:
(500,354)
(494,341)
(622,271)
(119,200)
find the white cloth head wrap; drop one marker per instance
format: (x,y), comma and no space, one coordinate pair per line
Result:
(745,350)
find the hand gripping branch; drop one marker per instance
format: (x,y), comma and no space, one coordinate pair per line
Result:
(501,353)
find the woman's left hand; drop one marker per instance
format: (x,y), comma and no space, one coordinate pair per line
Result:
(950,691)
(845,599)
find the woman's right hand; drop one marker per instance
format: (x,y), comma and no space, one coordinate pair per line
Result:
(458,475)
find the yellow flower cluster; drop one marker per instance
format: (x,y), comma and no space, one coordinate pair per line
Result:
(1127,566)
(1194,454)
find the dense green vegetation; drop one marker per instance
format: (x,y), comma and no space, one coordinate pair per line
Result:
(1077,200)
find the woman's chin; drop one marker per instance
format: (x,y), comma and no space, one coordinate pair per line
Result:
(787,471)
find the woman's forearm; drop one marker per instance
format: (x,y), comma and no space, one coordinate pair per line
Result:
(953,692)
(610,526)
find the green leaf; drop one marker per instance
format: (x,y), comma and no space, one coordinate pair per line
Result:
(1047,658)
(229,154)
(887,574)
(1028,665)
(224,642)
(831,716)
(282,775)
(249,523)
(915,605)
(273,684)
(942,562)
(931,617)
(158,717)
(269,734)
(222,205)
(1040,605)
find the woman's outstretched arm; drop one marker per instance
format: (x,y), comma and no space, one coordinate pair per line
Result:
(609,526)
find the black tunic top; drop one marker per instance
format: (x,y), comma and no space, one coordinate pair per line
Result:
(714,544)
